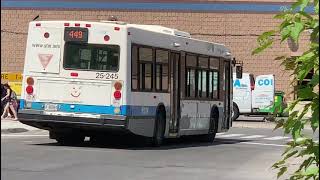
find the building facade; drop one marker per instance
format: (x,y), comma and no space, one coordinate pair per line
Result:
(237,24)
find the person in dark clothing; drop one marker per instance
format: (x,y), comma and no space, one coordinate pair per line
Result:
(3,94)
(9,100)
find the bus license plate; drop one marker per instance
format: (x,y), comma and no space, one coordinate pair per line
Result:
(51,107)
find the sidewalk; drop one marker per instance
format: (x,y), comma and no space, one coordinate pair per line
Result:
(12,126)
(253,124)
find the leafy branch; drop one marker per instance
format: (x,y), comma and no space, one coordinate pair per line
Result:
(296,21)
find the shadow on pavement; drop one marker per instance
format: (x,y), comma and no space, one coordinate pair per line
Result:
(138,143)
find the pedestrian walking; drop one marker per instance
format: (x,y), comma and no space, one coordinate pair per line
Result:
(10,102)
(3,94)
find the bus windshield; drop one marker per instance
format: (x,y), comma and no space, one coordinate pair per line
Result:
(94,57)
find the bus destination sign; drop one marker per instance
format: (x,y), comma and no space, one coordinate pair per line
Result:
(76,34)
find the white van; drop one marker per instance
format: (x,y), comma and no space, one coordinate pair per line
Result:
(251,96)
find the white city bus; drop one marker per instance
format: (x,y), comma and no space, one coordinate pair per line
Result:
(82,78)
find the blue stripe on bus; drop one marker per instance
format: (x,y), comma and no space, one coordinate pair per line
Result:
(225,7)
(108,110)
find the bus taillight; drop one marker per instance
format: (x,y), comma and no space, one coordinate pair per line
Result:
(116,28)
(117,86)
(30,81)
(88,25)
(29,89)
(66,24)
(117,95)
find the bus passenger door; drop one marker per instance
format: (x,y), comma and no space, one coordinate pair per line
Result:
(174,93)
(227,97)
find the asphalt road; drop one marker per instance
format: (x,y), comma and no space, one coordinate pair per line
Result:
(242,153)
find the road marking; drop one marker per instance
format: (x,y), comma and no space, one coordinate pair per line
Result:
(229,135)
(27,141)
(218,134)
(252,137)
(276,138)
(264,144)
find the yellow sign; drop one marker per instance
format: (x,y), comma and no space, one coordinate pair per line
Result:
(11,76)
(16,87)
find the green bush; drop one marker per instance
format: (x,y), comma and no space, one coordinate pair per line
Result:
(295,21)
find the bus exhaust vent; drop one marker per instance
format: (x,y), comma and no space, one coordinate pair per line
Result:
(182,34)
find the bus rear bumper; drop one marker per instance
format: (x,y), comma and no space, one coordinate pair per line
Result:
(40,120)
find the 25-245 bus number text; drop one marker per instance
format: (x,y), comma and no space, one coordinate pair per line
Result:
(107,76)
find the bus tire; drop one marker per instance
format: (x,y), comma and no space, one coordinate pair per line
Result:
(159,129)
(235,112)
(214,119)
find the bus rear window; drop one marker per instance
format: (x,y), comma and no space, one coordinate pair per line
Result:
(95,57)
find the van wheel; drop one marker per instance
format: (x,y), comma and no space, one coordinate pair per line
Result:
(158,135)
(235,112)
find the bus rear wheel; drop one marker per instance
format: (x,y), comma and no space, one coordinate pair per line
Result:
(67,138)
(158,135)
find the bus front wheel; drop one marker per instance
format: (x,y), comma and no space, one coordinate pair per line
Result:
(214,119)
(158,135)
(235,112)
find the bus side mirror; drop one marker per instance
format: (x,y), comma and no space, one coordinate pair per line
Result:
(239,72)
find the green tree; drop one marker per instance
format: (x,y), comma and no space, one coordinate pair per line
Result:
(303,149)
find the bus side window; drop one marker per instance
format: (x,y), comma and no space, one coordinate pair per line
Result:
(146,68)
(191,65)
(203,66)
(134,67)
(214,78)
(162,69)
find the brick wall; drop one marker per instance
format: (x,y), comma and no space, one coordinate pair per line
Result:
(238,31)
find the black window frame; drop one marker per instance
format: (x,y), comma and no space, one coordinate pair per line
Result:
(195,67)
(187,68)
(153,64)
(88,70)
(142,84)
(201,69)
(219,59)
(161,65)
(207,70)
